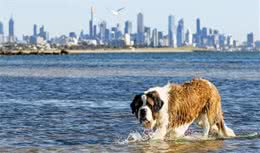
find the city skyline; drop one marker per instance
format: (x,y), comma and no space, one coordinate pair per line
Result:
(78,19)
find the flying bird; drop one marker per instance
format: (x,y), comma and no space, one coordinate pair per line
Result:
(117,12)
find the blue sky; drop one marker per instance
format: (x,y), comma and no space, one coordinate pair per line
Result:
(236,17)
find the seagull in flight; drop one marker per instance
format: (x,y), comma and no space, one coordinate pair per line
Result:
(117,12)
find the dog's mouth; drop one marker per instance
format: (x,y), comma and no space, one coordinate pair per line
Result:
(147,124)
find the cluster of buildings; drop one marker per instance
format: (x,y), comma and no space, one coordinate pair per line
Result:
(100,35)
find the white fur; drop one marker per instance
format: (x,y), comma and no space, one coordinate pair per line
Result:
(230,132)
(180,131)
(149,115)
(205,125)
(164,120)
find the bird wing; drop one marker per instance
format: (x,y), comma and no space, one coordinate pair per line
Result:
(120,9)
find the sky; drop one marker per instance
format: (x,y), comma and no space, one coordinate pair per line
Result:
(235,17)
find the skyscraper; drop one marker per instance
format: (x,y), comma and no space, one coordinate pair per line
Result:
(91,28)
(11,28)
(250,39)
(188,37)
(1,32)
(171,27)
(160,38)
(1,28)
(229,41)
(102,29)
(44,34)
(95,31)
(180,33)
(128,27)
(147,36)
(198,26)
(140,29)
(204,32)
(34,30)
(198,33)
(140,23)
(155,41)
(11,37)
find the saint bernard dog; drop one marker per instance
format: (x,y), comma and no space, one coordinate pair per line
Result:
(171,109)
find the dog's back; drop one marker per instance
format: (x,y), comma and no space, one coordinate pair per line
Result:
(197,100)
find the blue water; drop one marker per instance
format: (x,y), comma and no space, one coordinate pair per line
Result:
(81,102)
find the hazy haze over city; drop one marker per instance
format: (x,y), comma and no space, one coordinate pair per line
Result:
(235,17)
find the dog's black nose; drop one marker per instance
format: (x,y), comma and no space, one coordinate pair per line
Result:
(143,114)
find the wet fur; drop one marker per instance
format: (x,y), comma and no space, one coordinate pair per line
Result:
(194,100)
(177,106)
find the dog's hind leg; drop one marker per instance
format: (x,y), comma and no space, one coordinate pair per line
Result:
(204,123)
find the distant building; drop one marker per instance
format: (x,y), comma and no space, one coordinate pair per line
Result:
(127,40)
(128,27)
(107,35)
(95,31)
(164,42)
(11,27)
(257,44)
(171,27)
(1,28)
(43,33)
(222,40)
(230,41)
(147,36)
(155,41)
(118,33)
(91,27)
(180,33)
(102,31)
(203,37)
(140,23)
(140,29)
(11,30)
(160,38)
(250,40)
(35,33)
(188,37)
(72,35)
(1,33)
(198,33)
(198,26)
(204,32)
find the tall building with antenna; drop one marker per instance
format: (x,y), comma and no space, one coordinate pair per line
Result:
(11,30)
(91,23)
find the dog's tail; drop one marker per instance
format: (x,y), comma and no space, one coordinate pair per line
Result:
(224,130)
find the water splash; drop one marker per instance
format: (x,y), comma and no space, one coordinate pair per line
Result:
(136,136)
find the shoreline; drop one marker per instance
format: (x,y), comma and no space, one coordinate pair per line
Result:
(134,50)
(102,50)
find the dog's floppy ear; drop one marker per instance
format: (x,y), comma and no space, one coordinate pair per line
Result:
(157,102)
(136,104)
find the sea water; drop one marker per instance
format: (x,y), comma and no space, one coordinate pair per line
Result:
(80,103)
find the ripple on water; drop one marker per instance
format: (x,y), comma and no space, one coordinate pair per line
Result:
(80,103)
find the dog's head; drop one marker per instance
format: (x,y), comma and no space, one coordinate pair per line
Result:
(146,108)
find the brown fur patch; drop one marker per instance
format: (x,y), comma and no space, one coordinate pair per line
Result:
(191,99)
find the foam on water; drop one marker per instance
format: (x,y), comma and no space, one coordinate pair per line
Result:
(134,137)
(147,136)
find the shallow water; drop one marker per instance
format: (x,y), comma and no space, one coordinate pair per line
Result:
(80,103)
